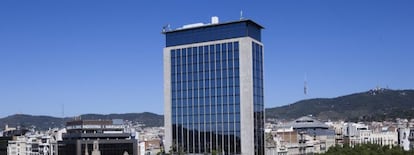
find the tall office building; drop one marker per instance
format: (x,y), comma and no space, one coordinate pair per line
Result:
(213,88)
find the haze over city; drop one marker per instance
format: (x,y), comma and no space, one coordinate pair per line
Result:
(106,56)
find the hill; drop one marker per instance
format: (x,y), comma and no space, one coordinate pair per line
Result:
(45,122)
(147,118)
(373,105)
(42,122)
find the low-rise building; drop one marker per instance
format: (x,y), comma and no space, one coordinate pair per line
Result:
(406,138)
(304,135)
(149,147)
(103,137)
(359,133)
(33,143)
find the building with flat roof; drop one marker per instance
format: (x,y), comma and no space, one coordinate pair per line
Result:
(9,134)
(103,137)
(213,88)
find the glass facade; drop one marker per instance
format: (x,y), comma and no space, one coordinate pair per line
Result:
(213,32)
(258,99)
(205,99)
(213,74)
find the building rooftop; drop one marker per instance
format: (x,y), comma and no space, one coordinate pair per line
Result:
(89,122)
(199,32)
(306,122)
(94,124)
(201,25)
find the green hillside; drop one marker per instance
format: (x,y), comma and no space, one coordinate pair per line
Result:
(372,105)
(45,122)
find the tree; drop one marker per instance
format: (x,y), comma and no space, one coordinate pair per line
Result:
(367,149)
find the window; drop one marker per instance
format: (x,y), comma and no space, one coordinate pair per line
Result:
(205,91)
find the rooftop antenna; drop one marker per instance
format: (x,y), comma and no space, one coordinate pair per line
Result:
(63,115)
(305,86)
(241,14)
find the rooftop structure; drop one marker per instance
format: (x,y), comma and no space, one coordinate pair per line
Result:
(199,32)
(306,122)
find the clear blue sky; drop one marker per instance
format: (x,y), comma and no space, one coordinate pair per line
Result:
(106,56)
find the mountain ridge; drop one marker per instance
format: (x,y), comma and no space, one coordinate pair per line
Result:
(43,122)
(372,105)
(376,104)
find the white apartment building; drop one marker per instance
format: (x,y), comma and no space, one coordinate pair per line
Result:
(358,133)
(35,143)
(19,146)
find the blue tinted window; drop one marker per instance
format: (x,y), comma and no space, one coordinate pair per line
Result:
(223,47)
(230,62)
(206,82)
(202,34)
(183,52)
(236,63)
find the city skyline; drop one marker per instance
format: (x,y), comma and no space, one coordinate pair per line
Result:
(90,54)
